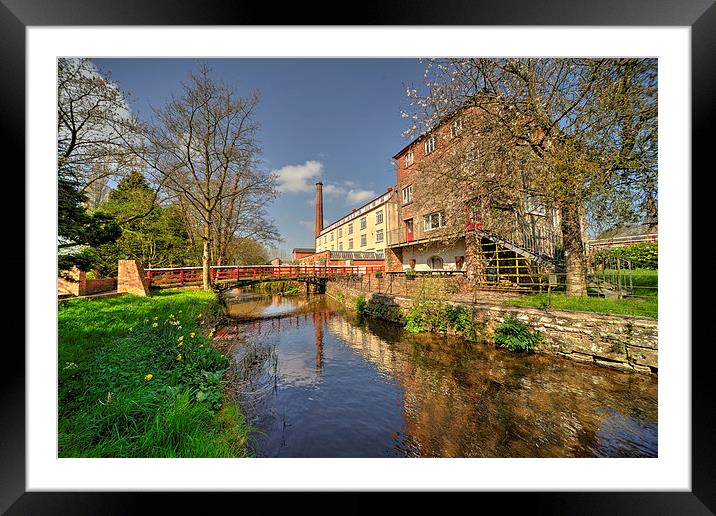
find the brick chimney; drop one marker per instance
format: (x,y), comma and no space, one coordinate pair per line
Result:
(319,208)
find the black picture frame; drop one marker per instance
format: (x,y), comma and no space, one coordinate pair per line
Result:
(16,15)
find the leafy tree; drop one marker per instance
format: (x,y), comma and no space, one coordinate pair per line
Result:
(153,234)
(79,230)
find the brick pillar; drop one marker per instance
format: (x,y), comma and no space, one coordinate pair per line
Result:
(131,278)
(72,282)
(393,259)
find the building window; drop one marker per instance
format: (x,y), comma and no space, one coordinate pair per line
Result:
(434,220)
(363,241)
(456,127)
(332,237)
(350,228)
(430,145)
(409,158)
(379,217)
(436,263)
(408,194)
(340,232)
(379,235)
(350,243)
(363,222)
(340,246)
(534,205)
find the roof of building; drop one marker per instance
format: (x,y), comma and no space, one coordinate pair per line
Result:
(304,250)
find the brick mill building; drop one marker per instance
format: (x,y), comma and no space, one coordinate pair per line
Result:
(496,234)
(501,233)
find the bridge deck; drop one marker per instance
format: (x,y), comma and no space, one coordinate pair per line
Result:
(254,274)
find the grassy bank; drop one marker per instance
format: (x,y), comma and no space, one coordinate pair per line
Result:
(647,306)
(138,377)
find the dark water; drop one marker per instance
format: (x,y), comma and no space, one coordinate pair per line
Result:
(318,383)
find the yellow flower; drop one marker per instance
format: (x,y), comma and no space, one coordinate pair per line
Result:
(192,335)
(148,377)
(154,325)
(181,338)
(179,357)
(131,330)
(155,318)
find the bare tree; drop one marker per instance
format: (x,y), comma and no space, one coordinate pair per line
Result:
(203,147)
(92,124)
(583,130)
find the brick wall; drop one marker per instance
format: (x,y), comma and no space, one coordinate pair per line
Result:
(75,283)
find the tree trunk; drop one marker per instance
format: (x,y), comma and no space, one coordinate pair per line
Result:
(574,257)
(205,275)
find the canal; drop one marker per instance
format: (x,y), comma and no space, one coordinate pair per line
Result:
(317,382)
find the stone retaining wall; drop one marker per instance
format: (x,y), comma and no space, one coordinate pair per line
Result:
(620,342)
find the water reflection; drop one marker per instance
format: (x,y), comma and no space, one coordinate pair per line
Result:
(347,389)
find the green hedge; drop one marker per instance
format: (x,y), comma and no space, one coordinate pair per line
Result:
(644,255)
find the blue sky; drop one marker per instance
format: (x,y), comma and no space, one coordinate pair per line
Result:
(337,120)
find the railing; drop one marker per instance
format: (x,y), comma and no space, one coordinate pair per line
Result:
(357,255)
(181,276)
(606,243)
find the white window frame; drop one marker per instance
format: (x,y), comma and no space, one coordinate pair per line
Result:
(350,228)
(456,127)
(340,232)
(350,244)
(364,222)
(408,194)
(428,221)
(430,144)
(409,158)
(363,240)
(379,217)
(379,235)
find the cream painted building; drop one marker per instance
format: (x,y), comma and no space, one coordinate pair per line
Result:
(364,230)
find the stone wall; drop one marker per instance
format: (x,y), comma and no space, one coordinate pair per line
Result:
(617,341)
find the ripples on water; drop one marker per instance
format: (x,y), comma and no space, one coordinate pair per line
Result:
(318,383)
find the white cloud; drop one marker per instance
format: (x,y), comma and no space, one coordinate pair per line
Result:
(334,190)
(295,178)
(356,196)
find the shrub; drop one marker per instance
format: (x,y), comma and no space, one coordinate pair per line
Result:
(410,274)
(516,336)
(378,274)
(459,320)
(360,305)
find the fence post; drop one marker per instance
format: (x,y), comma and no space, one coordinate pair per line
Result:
(181,276)
(149,277)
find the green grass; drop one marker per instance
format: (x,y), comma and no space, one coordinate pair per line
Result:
(642,306)
(107,408)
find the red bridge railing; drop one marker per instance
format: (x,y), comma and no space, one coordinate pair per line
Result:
(180,276)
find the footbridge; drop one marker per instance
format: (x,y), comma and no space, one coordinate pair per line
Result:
(226,277)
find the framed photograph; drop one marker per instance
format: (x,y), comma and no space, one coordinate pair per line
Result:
(368,409)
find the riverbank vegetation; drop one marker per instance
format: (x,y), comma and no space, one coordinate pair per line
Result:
(516,336)
(138,377)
